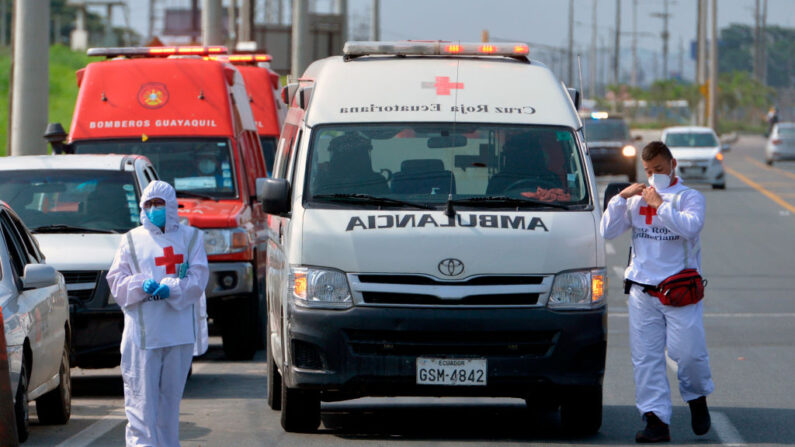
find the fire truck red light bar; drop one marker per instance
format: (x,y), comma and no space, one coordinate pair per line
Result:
(156,51)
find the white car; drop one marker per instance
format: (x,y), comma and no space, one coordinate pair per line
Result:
(37,327)
(79,207)
(698,153)
(781,144)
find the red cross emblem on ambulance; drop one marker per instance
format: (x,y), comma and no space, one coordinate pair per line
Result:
(443,85)
(170,260)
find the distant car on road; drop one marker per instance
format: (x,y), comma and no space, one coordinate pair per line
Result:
(609,144)
(781,143)
(698,153)
(79,207)
(37,327)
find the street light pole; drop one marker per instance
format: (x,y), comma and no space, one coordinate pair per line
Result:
(713,68)
(592,59)
(299,37)
(211,23)
(617,55)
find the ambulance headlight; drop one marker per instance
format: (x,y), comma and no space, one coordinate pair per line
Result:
(319,288)
(225,241)
(581,289)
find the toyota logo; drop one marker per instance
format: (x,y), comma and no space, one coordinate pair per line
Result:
(451,267)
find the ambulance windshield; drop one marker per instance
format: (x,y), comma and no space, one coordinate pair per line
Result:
(193,166)
(425,163)
(94,201)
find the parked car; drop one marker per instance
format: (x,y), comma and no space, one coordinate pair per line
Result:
(781,143)
(79,207)
(609,144)
(37,327)
(698,154)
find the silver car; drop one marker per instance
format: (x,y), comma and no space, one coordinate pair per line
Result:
(781,143)
(37,327)
(698,154)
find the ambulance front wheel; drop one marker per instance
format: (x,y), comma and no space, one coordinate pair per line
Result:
(300,410)
(581,411)
(239,327)
(274,381)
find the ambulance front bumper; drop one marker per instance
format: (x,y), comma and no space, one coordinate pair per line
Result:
(367,351)
(229,278)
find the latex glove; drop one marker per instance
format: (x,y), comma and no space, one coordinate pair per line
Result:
(162,291)
(150,285)
(183,270)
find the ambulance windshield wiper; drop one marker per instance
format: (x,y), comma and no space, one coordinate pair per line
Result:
(371,199)
(60,228)
(195,195)
(505,200)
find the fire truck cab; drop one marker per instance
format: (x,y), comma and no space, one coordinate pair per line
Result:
(191,117)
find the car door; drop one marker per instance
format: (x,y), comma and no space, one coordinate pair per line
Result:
(41,306)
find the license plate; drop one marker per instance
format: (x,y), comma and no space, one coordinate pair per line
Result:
(454,372)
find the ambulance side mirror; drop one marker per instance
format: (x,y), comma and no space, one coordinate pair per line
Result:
(288,93)
(575,97)
(275,196)
(613,189)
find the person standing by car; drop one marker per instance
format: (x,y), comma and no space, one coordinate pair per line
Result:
(157,277)
(666,219)
(772,119)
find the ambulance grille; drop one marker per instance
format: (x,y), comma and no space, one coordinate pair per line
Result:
(80,276)
(427,280)
(80,284)
(507,299)
(408,343)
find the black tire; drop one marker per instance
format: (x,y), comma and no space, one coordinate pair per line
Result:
(300,410)
(239,328)
(769,162)
(55,407)
(721,186)
(22,406)
(581,412)
(274,382)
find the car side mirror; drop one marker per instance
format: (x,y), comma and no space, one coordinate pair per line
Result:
(56,136)
(275,195)
(613,189)
(725,147)
(304,95)
(288,92)
(37,276)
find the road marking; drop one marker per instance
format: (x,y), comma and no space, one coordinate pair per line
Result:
(96,430)
(727,315)
(609,248)
(770,195)
(727,433)
(772,168)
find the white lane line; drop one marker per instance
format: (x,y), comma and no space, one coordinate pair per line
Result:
(727,315)
(609,248)
(727,433)
(96,430)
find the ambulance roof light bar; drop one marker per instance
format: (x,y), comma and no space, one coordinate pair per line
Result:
(157,51)
(516,50)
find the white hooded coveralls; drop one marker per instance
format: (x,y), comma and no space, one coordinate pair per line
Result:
(665,241)
(159,334)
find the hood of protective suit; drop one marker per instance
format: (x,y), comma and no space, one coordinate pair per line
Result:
(159,189)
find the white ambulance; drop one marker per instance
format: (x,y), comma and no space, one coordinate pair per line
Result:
(434,232)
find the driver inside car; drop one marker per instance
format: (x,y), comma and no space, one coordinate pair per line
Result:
(524,167)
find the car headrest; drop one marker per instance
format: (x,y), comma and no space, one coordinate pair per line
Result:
(422,165)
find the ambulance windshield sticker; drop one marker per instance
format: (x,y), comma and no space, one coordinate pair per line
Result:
(153,95)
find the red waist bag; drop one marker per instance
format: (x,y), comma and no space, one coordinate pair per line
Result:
(681,289)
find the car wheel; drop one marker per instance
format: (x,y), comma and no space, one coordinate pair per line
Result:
(274,382)
(769,162)
(239,328)
(581,412)
(21,406)
(55,407)
(719,186)
(300,410)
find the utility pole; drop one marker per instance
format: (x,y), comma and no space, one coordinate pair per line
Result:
(231,22)
(592,59)
(665,15)
(375,18)
(702,57)
(570,77)
(30,80)
(341,8)
(634,74)
(757,42)
(713,68)
(245,29)
(763,44)
(617,55)
(195,24)
(211,23)
(150,31)
(299,38)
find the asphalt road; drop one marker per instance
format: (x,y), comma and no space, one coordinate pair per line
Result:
(748,250)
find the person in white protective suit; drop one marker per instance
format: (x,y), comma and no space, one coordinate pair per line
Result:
(666,219)
(157,278)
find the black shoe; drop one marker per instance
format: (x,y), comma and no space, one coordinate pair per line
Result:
(655,431)
(699,415)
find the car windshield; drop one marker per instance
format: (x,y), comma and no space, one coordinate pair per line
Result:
(606,130)
(426,163)
(691,139)
(198,166)
(269,151)
(90,199)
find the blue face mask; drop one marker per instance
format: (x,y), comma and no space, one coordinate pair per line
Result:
(157,215)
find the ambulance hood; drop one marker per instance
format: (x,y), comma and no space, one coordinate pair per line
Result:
(486,241)
(74,251)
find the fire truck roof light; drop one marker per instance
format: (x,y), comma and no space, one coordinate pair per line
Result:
(157,51)
(249,58)
(516,50)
